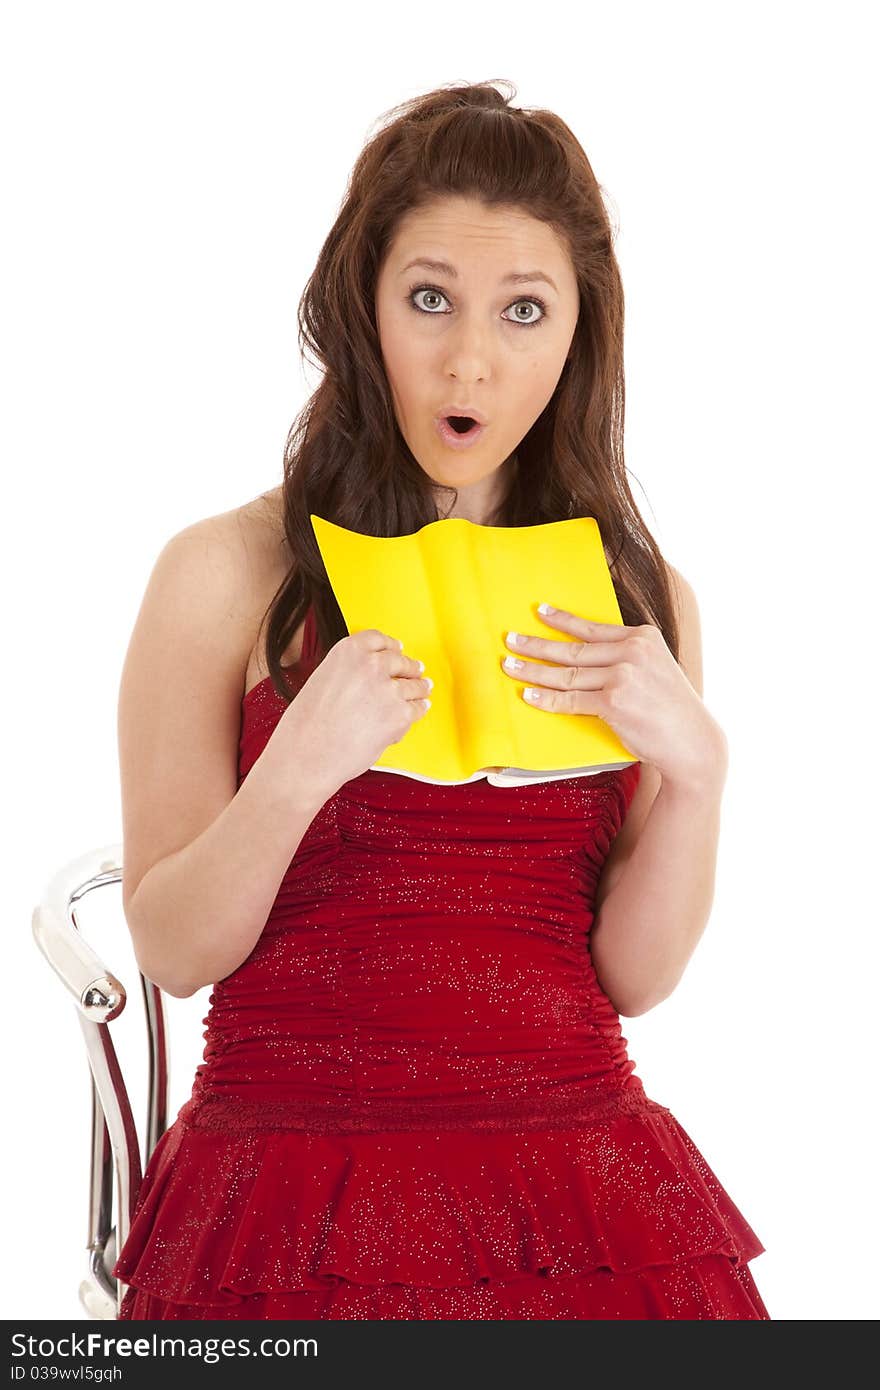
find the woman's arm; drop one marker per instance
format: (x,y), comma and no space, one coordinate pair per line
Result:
(656,889)
(203,858)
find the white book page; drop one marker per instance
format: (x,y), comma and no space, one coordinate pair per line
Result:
(508,776)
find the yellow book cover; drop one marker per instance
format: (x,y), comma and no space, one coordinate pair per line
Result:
(450,592)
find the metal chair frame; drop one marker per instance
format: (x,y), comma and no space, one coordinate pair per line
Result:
(100,997)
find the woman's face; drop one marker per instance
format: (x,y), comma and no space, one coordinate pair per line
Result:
(468,335)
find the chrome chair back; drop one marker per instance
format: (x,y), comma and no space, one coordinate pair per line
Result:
(100,997)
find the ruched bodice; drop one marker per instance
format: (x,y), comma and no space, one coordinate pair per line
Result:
(415,1081)
(429,944)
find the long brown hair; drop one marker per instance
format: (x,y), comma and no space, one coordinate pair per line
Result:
(345,458)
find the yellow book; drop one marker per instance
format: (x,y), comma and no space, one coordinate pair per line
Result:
(450,593)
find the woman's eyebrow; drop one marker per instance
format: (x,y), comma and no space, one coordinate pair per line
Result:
(516,277)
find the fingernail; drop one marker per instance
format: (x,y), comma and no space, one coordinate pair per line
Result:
(421,665)
(545,608)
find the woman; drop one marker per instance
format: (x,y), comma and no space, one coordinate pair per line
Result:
(415,1099)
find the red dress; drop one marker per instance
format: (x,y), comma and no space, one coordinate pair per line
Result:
(415,1099)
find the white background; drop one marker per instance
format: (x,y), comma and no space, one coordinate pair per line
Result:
(170,172)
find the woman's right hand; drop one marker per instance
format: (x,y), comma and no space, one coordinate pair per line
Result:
(362,697)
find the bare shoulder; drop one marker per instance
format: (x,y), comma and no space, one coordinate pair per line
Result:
(261,523)
(690,655)
(179,707)
(256,532)
(269,561)
(231,561)
(690,660)
(247,558)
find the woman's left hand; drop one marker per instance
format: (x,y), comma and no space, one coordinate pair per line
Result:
(630,679)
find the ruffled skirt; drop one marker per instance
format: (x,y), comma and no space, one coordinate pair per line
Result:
(615,1215)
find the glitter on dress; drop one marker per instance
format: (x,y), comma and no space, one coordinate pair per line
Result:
(415,1099)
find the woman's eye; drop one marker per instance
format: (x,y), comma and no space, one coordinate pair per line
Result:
(432,295)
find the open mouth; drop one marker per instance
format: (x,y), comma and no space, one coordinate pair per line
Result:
(458,431)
